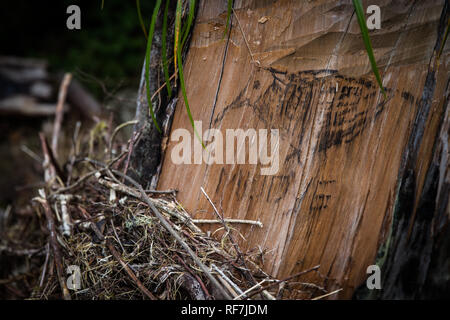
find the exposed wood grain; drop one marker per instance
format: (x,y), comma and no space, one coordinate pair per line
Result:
(341,144)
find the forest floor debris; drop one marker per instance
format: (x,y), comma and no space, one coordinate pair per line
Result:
(94,229)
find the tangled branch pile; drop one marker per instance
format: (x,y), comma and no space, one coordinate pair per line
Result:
(102,234)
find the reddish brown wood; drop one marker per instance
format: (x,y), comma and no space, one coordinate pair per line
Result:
(341,142)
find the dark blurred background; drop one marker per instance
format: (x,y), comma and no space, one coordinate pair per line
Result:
(105,57)
(36,49)
(109,46)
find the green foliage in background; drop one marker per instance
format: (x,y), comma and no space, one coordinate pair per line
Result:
(113,48)
(109,45)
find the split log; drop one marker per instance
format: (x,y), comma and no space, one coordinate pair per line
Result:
(359,175)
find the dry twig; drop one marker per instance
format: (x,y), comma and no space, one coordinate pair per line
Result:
(59,111)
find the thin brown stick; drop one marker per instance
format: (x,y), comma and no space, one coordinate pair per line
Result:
(247,274)
(284,280)
(256,286)
(257,62)
(135,137)
(44,268)
(51,167)
(117,236)
(175,234)
(195,275)
(73,152)
(85,177)
(170,191)
(74,185)
(227,285)
(119,186)
(237,221)
(93,226)
(327,294)
(221,218)
(164,84)
(49,170)
(116,130)
(129,271)
(55,248)
(234,288)
(59,111)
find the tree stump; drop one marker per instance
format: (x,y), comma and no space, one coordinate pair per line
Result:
(362,179)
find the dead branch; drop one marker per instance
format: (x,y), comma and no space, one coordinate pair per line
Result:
(175,234)
(284,280)
(55,246)
(129,271)
(59,112)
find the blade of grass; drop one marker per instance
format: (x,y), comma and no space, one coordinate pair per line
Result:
(227,24)
(147,62)
(189,22)
(177,32)
(178,47)
(368,44)
(183,90)
(164,50)
(103,3)
(141,21)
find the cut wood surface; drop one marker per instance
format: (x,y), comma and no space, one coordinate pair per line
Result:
(302,68)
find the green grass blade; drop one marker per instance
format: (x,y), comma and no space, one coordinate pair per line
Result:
(103,4)
(147,62)
(183,90)
(189,22)
(141,21)
(227,24)
(368,44)
(177,56)
(177,32)
(164,50)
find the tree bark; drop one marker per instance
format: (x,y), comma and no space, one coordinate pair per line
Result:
(148,153)
(415,262)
